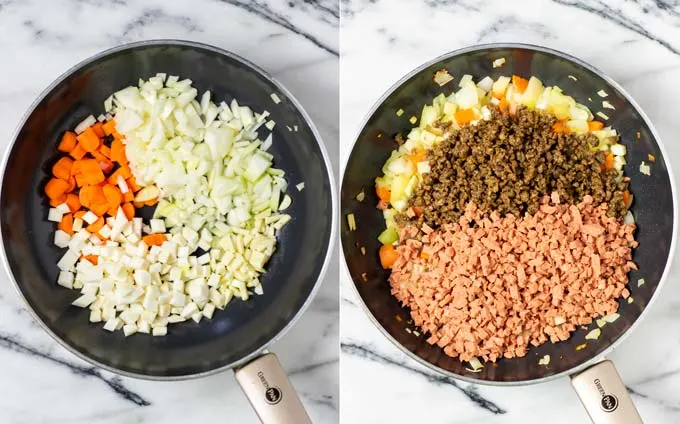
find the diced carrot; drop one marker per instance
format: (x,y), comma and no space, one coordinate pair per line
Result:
(609,161)
(519,83)
(98,195)
(91,195)
(56,187)
(104,163)
(95,176)
(113,195)
(78,152)
(113,211)
(94,259)
(132,184)
(106,166)
(464,116)
(79,214)
(96,226)
(595,125)
(417,210)
(118,152)
(72,183)
(73,202)
(66,224)
(129,210)
(383,193)
(388,256)
(105,151)
(424,255)
(151,202)
(129,196)
(113,177)
(110,129)
(89,140)
(99,209)
(503,105)
(68,142)
(58,200)
(90,170)
(626,197)
(138,204)
(154,239)
(80,181)
(560,127)
(98,129)
(418,155)
(123,171)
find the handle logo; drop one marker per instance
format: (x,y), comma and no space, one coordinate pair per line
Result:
(608,403)
(272,395)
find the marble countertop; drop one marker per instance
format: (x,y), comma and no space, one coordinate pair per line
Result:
(635,42)
(295,41)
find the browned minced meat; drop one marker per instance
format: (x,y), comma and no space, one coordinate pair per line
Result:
(507,164)
(491,286)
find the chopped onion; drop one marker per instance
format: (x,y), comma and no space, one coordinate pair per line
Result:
(602,93)
(475,363)
(275,98)
(645,169)
(486,83)
(545,360)
(607,105)
(594,334)
(640,282)
(442,77)
(611,318)
(618,149)
(498,62)
(351,223)
(85,124)
(628,219)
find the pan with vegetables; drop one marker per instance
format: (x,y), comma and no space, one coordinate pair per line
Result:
(148,203)
(510,216)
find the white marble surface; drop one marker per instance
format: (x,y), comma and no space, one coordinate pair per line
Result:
(297,42)
(635,42)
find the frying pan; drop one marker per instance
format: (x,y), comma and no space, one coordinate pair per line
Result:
(236,337)
(654,209)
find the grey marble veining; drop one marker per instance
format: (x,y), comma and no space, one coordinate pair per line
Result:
(295,41)
(635,42)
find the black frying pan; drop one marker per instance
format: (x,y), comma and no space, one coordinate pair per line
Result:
(654,207)
(234,336)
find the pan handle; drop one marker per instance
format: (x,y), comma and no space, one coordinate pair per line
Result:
(270,392)
(604,395)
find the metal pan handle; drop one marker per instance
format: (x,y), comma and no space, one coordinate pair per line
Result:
(604,395)
(270,393)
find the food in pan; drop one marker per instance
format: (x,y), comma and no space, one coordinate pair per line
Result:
(507,221)
(218,206)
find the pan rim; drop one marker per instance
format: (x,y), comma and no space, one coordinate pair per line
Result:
(327,164)
(664,276)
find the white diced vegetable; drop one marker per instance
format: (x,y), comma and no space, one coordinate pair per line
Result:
(54,215)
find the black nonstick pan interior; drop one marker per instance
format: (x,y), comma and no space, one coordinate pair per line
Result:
(653,207)
(189,348)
